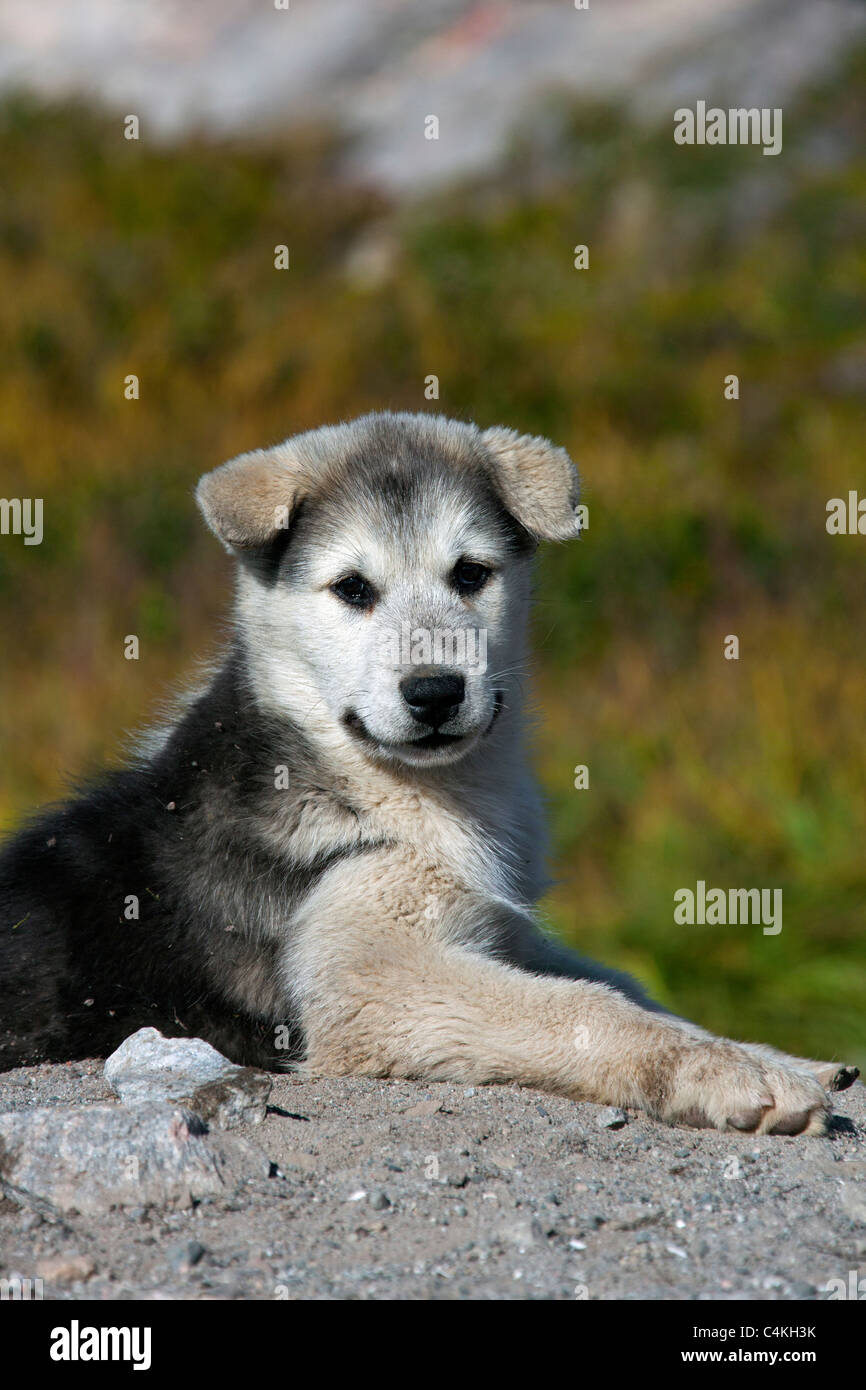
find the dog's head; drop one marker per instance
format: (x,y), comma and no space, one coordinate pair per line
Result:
(384,577)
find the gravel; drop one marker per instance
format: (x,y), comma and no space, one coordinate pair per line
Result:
(368,1189)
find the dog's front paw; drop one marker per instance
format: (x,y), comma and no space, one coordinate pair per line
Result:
(720,1085)
(833,1076)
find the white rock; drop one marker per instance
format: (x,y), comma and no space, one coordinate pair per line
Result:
(611,1117)
(94,1157)
(148,1067)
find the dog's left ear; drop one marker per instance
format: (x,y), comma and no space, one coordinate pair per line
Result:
(537,481)
(249,501)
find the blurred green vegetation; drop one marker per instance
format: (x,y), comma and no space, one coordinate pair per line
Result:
(706,515)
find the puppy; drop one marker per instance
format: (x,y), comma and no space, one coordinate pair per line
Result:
(332,856)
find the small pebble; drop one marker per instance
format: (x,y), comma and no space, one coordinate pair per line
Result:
(65,1269)
(611,1117)
(183,1257)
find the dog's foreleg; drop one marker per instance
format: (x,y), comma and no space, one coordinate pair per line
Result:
(387,988)
(532,949)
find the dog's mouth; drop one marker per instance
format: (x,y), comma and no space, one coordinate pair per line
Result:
(435,740)
(427,743)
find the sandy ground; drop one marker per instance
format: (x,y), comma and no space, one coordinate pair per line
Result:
(388,1189)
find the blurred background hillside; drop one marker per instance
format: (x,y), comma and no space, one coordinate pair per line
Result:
(707,516)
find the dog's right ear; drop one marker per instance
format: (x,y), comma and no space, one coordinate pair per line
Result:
(249,501)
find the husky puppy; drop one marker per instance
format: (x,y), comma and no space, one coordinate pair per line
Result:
(334,854)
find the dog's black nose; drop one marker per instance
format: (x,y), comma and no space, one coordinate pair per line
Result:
(433,699)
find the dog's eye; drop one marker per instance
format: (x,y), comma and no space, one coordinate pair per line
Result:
(355,591)
(469,576)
